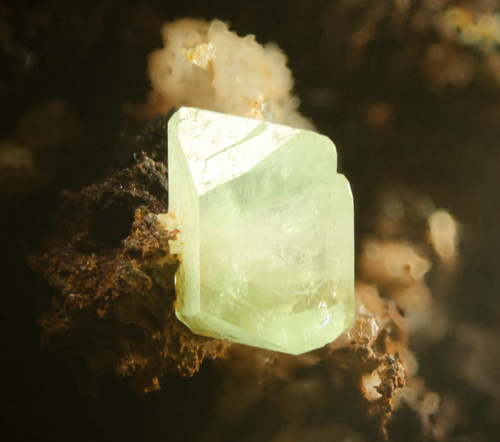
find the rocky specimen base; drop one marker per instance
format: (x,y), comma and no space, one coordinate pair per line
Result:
(113,275)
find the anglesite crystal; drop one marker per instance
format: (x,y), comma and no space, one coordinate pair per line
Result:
(267,232)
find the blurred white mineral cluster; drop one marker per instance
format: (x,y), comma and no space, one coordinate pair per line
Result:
(395,297)
(205,65)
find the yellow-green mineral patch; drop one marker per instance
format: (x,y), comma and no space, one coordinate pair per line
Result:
(267,226)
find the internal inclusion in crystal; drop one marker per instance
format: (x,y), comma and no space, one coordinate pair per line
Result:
(267,226)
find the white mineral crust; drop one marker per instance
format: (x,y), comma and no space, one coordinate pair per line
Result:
(207,66)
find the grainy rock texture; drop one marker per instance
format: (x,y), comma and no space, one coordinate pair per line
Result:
(114,274)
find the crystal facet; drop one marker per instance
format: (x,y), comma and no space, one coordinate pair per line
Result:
(267,231)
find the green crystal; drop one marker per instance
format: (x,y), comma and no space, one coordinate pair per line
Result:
(267,228)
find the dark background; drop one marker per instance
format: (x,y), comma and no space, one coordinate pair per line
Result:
(439,141)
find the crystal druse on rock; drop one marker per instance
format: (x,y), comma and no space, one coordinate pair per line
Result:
(267,232)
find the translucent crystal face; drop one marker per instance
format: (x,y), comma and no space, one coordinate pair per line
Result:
(267,225)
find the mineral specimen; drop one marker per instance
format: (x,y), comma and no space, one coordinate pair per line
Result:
(267,228)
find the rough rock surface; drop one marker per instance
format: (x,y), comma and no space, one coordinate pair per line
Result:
(111,267)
